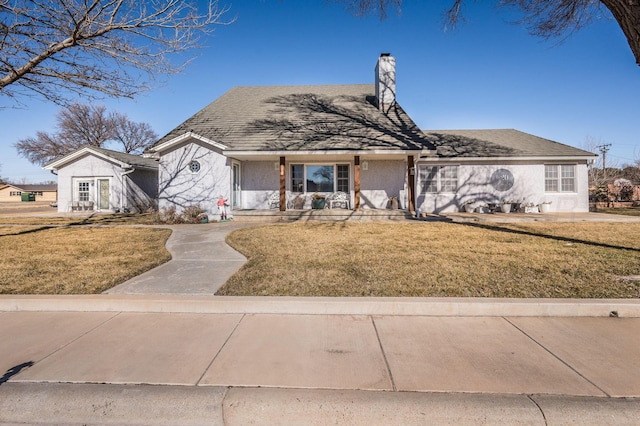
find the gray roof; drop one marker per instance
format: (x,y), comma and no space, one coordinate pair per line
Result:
(300,118)
(122,157)
(130,159)
(344,117)
(37,187)
(498,143)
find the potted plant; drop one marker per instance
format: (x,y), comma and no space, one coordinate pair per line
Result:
(482,208)
(505,207)
(468,206)
(318,201)
(530,208)
(544,206)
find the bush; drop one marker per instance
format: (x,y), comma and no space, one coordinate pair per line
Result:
(170,215)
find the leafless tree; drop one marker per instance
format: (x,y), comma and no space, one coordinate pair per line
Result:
(545,18)
(81,125)
(134,137)
(58,49)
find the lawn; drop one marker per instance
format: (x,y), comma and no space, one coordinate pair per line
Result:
(45,259)
(581,260)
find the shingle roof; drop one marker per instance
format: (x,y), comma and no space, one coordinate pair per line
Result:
(336,117)
(498,143)
(37,188)
(122,157)
(131,159)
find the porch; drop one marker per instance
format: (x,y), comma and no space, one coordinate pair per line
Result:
(328,215)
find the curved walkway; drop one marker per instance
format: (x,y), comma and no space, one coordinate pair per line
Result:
(201,262)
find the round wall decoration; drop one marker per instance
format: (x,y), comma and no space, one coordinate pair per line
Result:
(194,166)
(502,180)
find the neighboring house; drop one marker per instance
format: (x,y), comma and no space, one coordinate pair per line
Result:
(10,192)
(100,179)
(274,147)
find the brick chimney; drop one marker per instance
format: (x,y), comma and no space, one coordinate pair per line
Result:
(386,82)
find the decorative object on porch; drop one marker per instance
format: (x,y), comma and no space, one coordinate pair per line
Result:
(544,206)
(502,180)
(341,199)
(297,202)
(506,205)
(393,203)
(482,208)
(531,208)
(318,201)
(469,206)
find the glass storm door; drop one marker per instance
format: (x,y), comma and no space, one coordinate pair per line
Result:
(103,194)
(235,186)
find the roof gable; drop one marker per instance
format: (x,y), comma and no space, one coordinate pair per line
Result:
(121,158)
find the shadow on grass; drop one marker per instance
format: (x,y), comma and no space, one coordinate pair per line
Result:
(547,236)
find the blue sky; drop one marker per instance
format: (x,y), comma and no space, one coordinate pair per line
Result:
(486,73)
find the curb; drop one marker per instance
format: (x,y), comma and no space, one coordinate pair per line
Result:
(190,405)
(401,306)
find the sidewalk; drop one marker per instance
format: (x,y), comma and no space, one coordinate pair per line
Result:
(153,358)
(313,368)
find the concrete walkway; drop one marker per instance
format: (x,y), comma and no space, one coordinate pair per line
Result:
(150,357)
(201,262)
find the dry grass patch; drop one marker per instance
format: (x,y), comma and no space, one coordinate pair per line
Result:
(88,219)
(76,260)
(438,259)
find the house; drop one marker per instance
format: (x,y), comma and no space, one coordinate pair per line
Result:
(283,146)
(13,193)
(99,179)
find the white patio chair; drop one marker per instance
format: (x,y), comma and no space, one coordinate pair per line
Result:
(338,198)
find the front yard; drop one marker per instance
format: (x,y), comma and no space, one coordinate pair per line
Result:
(76,260)
(584,260)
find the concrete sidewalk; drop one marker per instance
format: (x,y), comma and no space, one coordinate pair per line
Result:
(314,368)
(201,262)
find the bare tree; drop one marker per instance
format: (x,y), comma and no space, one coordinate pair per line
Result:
(545,18)
(81,125)
(134,137)
(57,49)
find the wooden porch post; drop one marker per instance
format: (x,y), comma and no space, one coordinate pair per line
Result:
(411,170)
(356,182)
(283,186)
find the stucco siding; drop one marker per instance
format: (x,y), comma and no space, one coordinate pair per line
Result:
(381,181)
(475,184)
(180,187)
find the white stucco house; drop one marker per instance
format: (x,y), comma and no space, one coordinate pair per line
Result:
(98,179)
(277,146)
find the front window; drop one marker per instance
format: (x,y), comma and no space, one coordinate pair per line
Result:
(319,177)
(83,191)
(560,178)
(435,179)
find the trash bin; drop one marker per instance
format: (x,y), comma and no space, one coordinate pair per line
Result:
(28,196)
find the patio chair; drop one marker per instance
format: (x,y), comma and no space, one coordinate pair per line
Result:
(274,200)
(338,198)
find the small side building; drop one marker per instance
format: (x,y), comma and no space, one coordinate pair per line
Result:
(100,179)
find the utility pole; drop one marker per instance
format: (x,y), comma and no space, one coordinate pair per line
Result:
(603,150)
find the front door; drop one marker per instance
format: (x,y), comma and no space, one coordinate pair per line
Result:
(103,194)
(235,186)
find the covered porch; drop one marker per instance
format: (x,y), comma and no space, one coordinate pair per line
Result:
(322,183)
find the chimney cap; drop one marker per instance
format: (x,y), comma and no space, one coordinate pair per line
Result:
(385,54)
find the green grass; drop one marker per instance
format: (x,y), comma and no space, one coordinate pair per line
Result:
(583,260)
